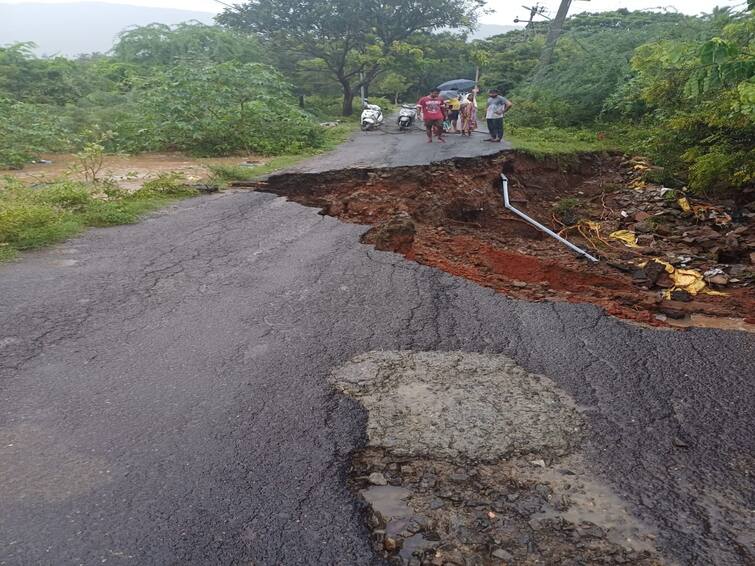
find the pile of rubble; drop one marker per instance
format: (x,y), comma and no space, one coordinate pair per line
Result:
(432,512)
(471,460)
(716,239)
(668,240)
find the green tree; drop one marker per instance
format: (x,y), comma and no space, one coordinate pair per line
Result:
(694,101)
(160,44)
(355,41)
(222,109)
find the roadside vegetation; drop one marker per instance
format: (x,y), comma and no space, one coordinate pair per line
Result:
(32,217)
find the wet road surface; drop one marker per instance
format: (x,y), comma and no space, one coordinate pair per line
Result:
(391,147)
(163,393)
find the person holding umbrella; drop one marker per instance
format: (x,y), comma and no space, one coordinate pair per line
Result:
(454,106)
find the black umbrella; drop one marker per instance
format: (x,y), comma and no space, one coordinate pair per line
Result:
(457,84)
(449,94)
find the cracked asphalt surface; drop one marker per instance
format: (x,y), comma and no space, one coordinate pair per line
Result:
(390,147)
(164,397)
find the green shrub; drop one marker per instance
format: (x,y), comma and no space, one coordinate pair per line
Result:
(64,194)
(166,184)
(26,130)
(223,173)
(566,210)
(34,217)
(719,170)
(25,225)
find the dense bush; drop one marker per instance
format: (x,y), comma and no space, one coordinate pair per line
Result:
(26,130)
(226,108)
(692,101)
(193,88)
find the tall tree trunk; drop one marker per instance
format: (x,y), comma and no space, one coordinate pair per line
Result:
(348,101)
(553,34)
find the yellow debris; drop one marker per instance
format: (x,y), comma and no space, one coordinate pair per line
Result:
(592,225)
(684,203)
(629,238)
(690,280)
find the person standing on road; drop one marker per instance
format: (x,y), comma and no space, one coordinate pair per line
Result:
(497,107)
(469,115)
(454,106)
(433,114)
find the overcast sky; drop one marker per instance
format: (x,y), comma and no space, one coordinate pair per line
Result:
(504,14)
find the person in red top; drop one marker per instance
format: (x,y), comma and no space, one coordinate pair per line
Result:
(433,113)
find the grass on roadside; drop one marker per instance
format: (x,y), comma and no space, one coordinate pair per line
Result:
(32,217)
(224,174)
(549,142)
(36,216)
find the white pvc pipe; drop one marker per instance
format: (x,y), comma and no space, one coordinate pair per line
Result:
(507,204)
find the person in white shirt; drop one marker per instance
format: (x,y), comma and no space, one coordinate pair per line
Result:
(497,107)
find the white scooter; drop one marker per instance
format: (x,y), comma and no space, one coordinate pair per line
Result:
(372,116)
(406,116)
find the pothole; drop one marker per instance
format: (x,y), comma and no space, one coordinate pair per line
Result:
(450,215)
(473,460)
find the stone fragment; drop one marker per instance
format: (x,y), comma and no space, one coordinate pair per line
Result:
(376,478)
(391,544)
(501,554)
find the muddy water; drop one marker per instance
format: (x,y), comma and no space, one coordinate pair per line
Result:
(702,321)
(128,171)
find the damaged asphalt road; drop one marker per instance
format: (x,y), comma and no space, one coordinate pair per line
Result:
(164,395)
(390,147)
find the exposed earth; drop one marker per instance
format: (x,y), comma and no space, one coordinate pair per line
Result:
(450,215)
(177,392)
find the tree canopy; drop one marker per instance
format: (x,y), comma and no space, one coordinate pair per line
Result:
(353,41)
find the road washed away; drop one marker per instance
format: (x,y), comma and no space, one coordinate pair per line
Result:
(666,258)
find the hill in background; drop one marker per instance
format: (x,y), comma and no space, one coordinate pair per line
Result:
(81,27)
(86,27)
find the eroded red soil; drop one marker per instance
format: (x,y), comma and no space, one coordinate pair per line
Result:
(451,216)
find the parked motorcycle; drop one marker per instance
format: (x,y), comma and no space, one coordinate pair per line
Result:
(372,116)
(406,116)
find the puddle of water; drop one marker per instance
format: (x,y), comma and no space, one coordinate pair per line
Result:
(388,501)
(415,543)
(128,171)
(591,501)
(705,321)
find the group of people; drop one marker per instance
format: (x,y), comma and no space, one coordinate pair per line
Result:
(461,112)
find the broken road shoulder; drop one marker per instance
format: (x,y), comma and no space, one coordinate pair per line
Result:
(450,215)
